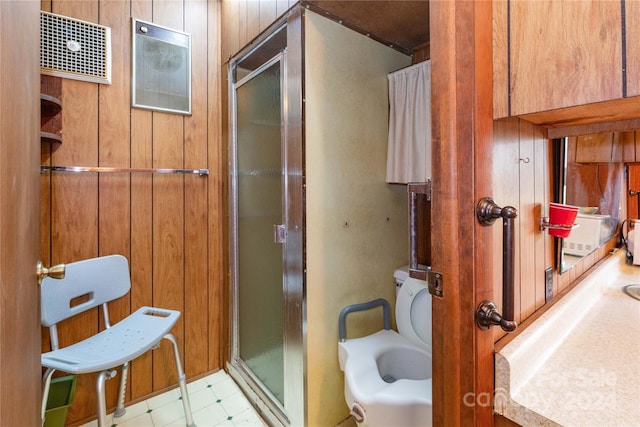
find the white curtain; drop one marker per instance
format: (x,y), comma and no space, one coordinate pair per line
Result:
(409,147)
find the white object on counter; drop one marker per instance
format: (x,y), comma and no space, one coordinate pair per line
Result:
(636,239)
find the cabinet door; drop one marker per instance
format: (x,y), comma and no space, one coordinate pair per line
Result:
(632,26)
(560,54)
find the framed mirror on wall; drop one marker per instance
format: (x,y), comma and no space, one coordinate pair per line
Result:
(589,175)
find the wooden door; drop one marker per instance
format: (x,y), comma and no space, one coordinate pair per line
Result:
(19,214)
(461,88)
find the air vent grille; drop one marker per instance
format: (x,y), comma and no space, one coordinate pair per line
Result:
(74,49)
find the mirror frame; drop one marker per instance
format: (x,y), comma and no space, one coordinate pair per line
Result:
(559,158)
(560,149)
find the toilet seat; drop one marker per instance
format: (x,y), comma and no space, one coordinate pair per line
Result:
(413,313)
(388,374)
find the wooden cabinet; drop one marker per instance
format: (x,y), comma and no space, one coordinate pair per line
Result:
(632,46)
(551,56)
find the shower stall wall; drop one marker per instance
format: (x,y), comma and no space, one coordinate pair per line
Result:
(314,226)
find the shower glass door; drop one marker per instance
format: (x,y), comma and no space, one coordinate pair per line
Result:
(266,220)
(260,309)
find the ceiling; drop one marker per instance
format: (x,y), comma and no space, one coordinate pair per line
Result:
(401,24)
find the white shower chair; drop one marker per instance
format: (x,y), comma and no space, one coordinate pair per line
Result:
(88,284)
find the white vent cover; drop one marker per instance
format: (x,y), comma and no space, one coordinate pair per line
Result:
(74,49)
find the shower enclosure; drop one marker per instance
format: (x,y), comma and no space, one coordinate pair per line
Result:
(266,227)
(314,226)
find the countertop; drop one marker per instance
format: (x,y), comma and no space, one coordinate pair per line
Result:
(578,364)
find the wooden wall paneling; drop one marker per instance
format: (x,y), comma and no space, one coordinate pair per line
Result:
(526,221)
(543,193)
(500,60)
(168,213)
(623,147)
(114,232)
(521,179)
(141,260)
(253,21)
(282,6)
(506,188)
(229,34)
(74,197)
(196,187)
(217,305)
(168,256)
(268,13)
(243,20)
(243,25)
(594,148)
(572,147)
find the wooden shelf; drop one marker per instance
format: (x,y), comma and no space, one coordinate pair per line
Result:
(49,105)
(50,109)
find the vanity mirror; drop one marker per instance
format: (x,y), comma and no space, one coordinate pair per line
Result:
(591,177)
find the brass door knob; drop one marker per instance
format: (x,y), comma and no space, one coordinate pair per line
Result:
(55,272)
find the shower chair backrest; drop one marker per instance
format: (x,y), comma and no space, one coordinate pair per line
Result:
(86,284)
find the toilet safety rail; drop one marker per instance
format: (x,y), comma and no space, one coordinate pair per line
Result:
(487,312)
(342,319)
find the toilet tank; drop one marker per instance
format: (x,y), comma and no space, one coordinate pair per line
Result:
(400,275)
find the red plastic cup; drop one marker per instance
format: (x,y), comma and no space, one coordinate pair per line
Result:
(564,215)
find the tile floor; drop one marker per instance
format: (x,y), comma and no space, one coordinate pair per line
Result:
(215,400)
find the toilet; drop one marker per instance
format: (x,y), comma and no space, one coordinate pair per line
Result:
(388,374)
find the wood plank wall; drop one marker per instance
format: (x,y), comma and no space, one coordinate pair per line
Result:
(609,147)
(522,179)
(170,227)
(243,20)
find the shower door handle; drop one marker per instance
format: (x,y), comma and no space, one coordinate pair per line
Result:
(279,233)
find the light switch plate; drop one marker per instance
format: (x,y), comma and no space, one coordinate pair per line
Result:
(548,284)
